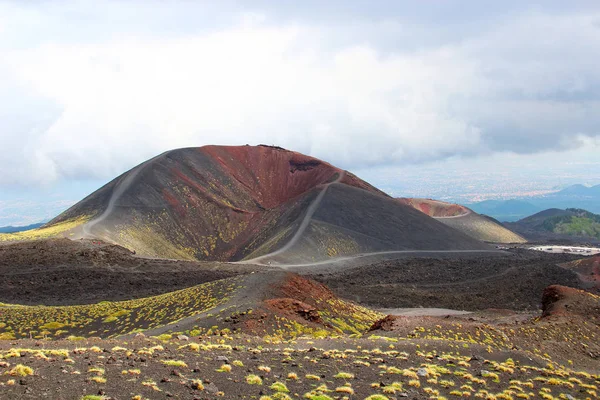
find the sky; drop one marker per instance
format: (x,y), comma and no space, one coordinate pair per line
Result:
(406,94)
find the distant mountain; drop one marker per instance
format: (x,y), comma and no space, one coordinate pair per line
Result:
(259,203)
(579,190)
(14,229)
(556,224)
(461,218)
(574,196)
(505,210)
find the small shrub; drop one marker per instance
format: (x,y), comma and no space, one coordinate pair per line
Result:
(279,387)
(174,363)
(21,370)
(254,380)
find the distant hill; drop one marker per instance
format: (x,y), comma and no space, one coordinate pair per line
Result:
(465,220)
(574,196)
(259,203)
(572,223)
(579,190)
(14,229)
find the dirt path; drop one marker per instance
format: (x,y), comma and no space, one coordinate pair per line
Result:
(120,187)
(422,312)
(334,261)
(303,225)
(469,212)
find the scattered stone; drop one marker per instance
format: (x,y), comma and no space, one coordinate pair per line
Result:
(211,388)
(422,372)
(183,337)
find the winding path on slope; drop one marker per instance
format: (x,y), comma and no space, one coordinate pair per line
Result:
(303,225)
(469,212)
(390,252)
(308,217)
(120,187)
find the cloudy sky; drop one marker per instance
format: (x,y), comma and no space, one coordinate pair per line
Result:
(88,89)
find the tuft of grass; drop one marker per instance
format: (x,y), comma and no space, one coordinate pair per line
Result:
(293,376)
(344,389)
(225,368)
(414,382)
(174,363)
(279,387)
(254,380)
(21,370)
(197,384)
(344,375)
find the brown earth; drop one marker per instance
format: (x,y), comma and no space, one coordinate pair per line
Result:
(514,281)
(63,272)
(588,270)
(275,324)
(566,301)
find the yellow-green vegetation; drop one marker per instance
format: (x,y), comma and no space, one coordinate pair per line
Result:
(108,319)
(174,363)
(225,368)
(482,228)
(343,316)
(423,370)
(344,375)
(279,387)
(148,242)
(348,317)
(55,230)
(21,370)
(254,380)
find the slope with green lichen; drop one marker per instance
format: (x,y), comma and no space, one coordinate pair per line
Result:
(62,228)
(108,319)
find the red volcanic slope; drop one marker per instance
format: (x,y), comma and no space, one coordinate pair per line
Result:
(565,301)
(274,176)
(212,202)
(434,208)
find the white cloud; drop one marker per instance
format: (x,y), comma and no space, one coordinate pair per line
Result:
(83,104)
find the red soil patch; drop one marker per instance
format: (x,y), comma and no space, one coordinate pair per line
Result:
(434,208)
(294,298)
(305,290)
(274,175)
(293,309)
(385,324)
(565,301)
(175,205)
